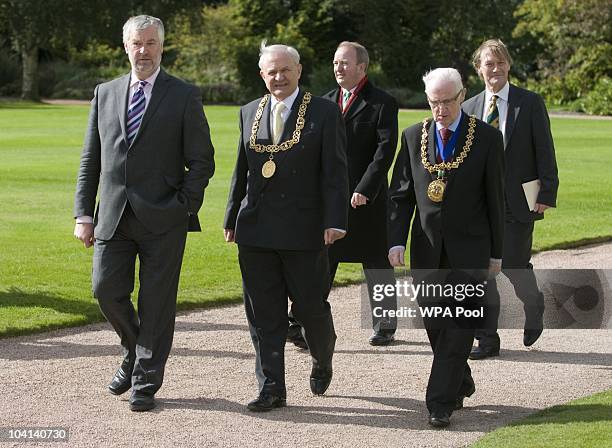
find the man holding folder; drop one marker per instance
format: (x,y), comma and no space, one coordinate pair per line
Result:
(531,183)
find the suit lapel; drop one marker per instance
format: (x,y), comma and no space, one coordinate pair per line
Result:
(122,98)
(431,143)
(160,88)
(478,110)
(358,105)
(514,108)
(264,133)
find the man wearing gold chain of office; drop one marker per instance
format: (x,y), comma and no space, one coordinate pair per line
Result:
(288,201)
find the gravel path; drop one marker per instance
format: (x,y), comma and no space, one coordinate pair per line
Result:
(376,397)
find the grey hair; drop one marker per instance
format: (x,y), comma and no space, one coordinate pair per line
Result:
(360,51)
(140,23)
(439,75)
(277,48)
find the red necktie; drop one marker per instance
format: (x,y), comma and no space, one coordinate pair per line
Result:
(445,134)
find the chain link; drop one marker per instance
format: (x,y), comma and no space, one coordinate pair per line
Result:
(288,144)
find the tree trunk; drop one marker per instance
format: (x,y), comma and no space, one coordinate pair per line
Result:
(29,86)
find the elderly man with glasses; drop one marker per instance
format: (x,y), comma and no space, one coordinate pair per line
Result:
(448,181)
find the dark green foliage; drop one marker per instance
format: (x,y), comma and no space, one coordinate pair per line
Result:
(573,51)
(561,48)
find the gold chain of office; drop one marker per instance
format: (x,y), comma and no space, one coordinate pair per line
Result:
(288,144)
(436,188)
(458,160)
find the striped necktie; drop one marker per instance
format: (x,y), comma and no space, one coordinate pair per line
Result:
(346,94)
(136,111)
(493,113)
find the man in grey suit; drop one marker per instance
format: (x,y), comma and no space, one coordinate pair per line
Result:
(522,118)
(148,156)
(288,201)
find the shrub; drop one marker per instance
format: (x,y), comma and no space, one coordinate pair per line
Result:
(599,100)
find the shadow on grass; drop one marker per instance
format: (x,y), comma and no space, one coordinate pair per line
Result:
(570,413)
(81,312)
(574,244)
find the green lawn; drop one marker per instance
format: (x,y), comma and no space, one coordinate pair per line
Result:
(45,272)
(583,423)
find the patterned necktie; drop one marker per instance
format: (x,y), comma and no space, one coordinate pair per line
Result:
(445,134)
(136,111)
(277,130)
(346,94)
(493,113)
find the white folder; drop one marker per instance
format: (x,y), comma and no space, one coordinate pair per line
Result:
(531,190)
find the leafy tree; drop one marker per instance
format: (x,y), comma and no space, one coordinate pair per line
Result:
(306,25)
(573,41)
(36,25)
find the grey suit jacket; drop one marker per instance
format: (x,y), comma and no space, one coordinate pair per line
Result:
(307,194)
(163,172)
(529,150)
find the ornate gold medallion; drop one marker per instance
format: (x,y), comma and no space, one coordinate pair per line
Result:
(268,169)
(435,190)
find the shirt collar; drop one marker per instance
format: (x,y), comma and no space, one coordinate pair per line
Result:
(502,94)
(359,83)
(288,102)
(150,80)
(453,126)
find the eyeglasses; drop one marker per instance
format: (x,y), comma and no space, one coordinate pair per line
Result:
(444,103)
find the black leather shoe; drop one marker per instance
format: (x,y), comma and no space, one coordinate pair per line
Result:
(320,379)
(439,419)
(294,335)
(534,324)
(141,402)
(460,398)
(381,337)
(484,351)
(121,382)
(266,402)
(530,336)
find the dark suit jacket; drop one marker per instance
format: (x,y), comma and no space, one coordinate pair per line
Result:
(371,132)
(165,170)
(469,222)
(529,150)
(307,194)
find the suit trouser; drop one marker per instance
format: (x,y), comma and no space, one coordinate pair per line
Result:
(146,336)
(376,272)
(450,376)
(269,276)
(518,237)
